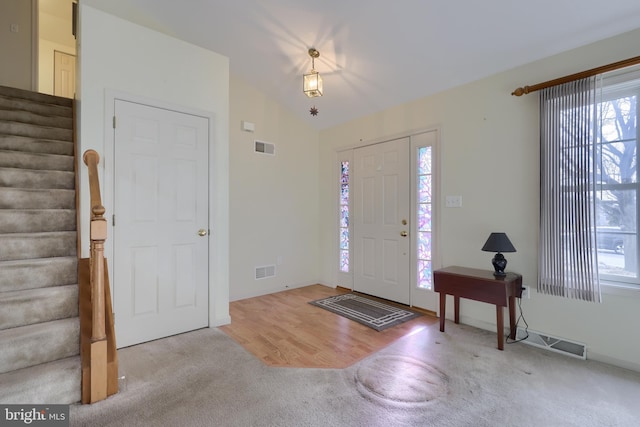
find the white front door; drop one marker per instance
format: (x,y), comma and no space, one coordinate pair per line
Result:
(160,270)
(381,216)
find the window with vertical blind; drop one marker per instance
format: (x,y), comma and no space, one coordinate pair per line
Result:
(589,185)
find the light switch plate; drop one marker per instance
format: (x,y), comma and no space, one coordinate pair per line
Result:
(453,202)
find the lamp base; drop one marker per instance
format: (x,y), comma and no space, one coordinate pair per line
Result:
(499,264)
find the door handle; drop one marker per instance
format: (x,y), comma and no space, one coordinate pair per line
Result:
(202,232)
(404,233)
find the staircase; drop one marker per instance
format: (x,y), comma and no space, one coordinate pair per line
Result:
(39,326)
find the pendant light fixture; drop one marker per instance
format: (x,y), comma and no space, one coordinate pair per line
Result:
(312,82)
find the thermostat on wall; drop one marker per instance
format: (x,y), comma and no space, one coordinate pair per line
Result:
(248,126)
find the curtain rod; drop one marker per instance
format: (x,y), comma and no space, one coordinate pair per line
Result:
(577,76)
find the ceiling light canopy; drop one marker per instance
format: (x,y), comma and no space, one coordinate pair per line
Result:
(312,82)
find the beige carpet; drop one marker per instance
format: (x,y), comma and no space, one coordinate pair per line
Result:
(458,378)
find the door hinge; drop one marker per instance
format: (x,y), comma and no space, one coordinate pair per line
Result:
(113,220)
(114,122)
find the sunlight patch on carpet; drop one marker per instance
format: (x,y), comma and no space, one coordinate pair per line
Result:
(369,312)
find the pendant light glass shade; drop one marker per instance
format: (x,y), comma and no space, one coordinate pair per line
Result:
(312,82)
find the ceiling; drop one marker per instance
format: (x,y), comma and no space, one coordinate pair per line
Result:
(376,54)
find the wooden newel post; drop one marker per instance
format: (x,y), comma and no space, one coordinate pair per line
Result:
(98,329)
(98,235)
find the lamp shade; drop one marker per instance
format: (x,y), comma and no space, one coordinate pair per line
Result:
(498,242)
(312,84)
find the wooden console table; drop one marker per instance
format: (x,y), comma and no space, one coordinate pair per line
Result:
(479,285)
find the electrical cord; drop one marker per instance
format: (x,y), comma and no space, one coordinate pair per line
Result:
(526,329)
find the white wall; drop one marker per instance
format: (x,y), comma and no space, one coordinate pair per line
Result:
(489,155)
(115,55)
(17,46)
(274,199)
(46,51)
(55,33)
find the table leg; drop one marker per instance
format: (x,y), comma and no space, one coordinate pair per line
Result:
(512,317)
(500,322)
(456,309)
(443,305)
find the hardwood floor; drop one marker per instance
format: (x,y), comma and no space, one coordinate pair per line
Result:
(283,329)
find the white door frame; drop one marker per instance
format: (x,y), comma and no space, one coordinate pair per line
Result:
(218,292)
(346,153)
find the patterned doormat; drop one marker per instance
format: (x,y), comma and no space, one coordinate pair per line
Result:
(369,312)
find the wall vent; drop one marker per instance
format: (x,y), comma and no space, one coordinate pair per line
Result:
(265,271)
(265,147)
(548,342)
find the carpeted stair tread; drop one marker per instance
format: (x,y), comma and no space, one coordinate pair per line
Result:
(35,96)
(45,109)
(39,324)
(37,273)
(37,245)
(25,178)
(57,382)
(36,220)
(34,198)
(39,343)
(38,161)
(31,118)
(33,131)
(20,308)
(34,145)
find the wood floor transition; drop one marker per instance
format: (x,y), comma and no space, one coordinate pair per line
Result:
(283,329)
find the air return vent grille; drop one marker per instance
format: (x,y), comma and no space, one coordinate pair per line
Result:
(265,148)
(559,345)
(265,271)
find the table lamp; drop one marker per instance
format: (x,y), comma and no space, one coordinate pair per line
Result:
(498,242)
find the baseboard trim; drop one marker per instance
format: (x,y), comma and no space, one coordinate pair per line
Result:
(226,320)
(603,358)
(261,292)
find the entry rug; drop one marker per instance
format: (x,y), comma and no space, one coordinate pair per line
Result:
(369,312)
